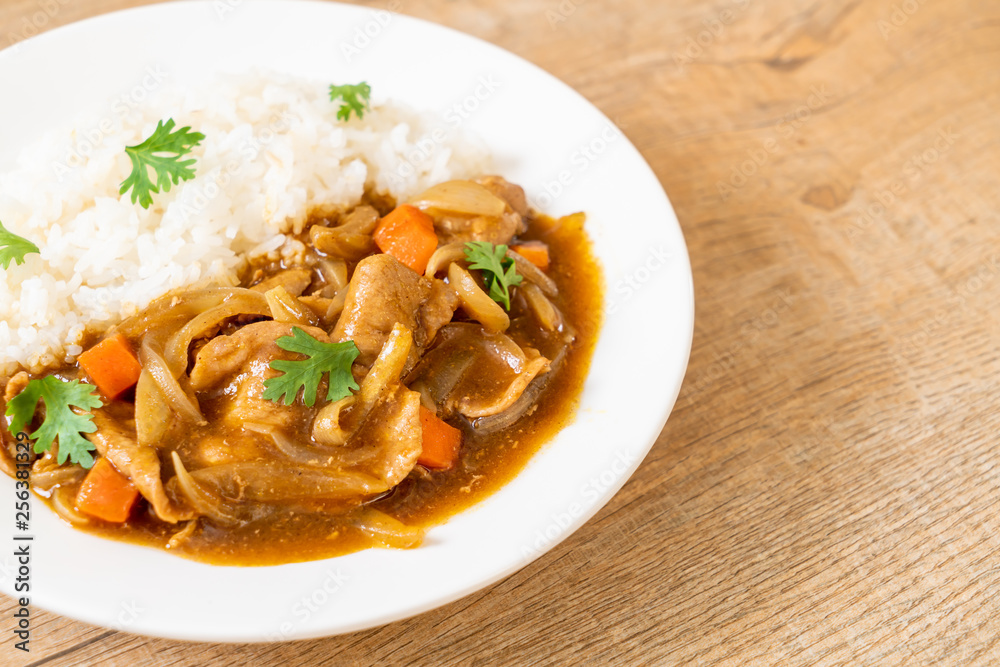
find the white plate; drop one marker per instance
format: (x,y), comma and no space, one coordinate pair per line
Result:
(569,157)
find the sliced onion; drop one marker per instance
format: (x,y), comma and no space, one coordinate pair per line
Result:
(182,535)
(387,531)
(443,256)
(339,458)
(510,416)
(152,414)
(295,282)
(240,302)
(317,305)
(534,366)
(362,220)
(202,500)
(339,243)
(185,406)
(533,274)
(425,395)
(336,307)
(288,447)
(441,373)
(64,503)
(326,428)
(334,274)
(171,311)
(276,482)
(386,370)
(504,348)
(476,303)
(463,197)
(46,479)
(545,312)
(505,419)
(443,379)
(286,308)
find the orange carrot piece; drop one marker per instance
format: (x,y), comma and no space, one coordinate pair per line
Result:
(112,365)
(106,494)
(441,441)
(407,234)
(535,252)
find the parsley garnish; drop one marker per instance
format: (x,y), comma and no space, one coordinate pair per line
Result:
(334,359)
(352,98)
(169,168)
(60,420)
(497,268)
(13,248)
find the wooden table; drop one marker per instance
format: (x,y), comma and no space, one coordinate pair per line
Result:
(826,490)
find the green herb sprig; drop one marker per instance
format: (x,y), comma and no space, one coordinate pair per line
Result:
(498,269)
(13,248)
(60,420)
(332,359)
(161,152)
(354,98)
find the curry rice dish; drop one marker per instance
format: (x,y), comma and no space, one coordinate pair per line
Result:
(405,363)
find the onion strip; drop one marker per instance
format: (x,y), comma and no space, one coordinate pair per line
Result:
(167,383)
(171,311)
(64,504)
(201,499)
(275,482)
(387,531)
(152,414)
(241,302)
(286,308)
(388,366)
(502,420)
(443,256)
(476,302)
(182,535)
(286,446)
(533,274)
(327,429)
(334,273)
(464,197)
(336,307)
(517,387)
(545,312)
(46,479)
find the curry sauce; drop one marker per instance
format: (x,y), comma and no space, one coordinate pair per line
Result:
(309,530)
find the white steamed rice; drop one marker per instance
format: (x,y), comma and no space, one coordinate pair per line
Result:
(274,153)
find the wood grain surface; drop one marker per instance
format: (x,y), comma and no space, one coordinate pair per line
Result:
(826,490)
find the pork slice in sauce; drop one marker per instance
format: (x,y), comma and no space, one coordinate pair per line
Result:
(511,193)
(388,442)
(382,293)
(436,312)
(456,229)
(233,370)
(238,365)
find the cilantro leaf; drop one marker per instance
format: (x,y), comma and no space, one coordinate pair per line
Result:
(352,98)
(13,248)
(498,269)
(162,153)
(60,420)
(334,359)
